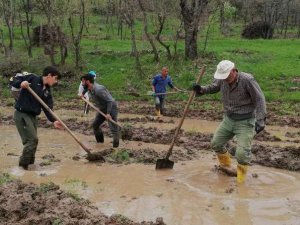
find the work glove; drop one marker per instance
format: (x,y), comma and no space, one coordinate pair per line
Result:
(259,126)
(153,94)
(197,88)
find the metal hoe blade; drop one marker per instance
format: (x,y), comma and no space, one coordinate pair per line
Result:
(164,164)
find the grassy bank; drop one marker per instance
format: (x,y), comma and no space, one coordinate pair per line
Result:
(274,63)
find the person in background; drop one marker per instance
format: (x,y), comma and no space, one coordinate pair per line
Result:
(28,108)
(83,92)
(244,114)
(159,89)
(105,103)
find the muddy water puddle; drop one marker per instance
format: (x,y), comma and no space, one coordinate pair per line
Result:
(191,193)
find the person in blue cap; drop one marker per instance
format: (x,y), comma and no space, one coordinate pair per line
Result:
(83,92)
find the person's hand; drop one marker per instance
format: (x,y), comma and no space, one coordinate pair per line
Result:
(153,94)
(259,126)
(24,84)
(57,125)
(108,117)
(197,88)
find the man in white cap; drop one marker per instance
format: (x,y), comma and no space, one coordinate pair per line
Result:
(244,114)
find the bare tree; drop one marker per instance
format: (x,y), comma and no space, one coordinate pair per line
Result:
(149,37)
(26,7)
(128,14)
(2,44)
(55,11)
(7,9)
(161,21)
(192,11)
(76,38)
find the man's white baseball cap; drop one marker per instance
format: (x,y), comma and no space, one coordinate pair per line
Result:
(223,69)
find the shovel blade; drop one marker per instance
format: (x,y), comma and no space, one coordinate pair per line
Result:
(164,164)
(92,157)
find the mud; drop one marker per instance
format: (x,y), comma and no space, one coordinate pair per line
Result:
(212,110)
(30,204)
(201,109)
(128,171)
(190,144)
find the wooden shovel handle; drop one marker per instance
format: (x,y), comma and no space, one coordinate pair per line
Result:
(192,94)
(57,118)
(99,111)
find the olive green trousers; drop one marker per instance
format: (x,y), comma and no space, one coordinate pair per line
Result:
(243,130)
(27,128)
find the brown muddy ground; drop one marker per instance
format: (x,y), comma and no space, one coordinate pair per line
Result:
(30,204)
(266,150)
(288,115)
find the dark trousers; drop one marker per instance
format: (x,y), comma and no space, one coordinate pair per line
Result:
(27,128)
(99,119)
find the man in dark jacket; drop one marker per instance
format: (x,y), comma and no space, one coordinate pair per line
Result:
(28,108)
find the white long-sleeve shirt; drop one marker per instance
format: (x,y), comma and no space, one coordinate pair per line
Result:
(80,91)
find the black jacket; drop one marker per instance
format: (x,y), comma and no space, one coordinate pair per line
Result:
(26,102)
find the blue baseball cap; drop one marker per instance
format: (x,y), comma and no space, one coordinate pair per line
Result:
(92,73)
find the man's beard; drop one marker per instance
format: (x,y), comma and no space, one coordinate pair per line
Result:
(85,86)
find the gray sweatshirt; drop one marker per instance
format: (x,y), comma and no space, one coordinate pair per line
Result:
(243,97)
(102,98)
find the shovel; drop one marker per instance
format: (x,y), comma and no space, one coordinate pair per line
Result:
(91,157)
(166,163)
(99,111)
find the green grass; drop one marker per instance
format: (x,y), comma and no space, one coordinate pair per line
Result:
(46,187)
(120,155)
(274,63)
(5,178)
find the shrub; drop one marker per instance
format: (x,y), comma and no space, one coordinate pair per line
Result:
(258,29)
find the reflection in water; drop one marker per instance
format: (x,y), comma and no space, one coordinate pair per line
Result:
(191,193)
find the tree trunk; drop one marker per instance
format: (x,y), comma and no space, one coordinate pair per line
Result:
(76,39)
(149,37)
(134,51)
(222,17)
(28,27)
(191,13)
(161,21)
(190,42)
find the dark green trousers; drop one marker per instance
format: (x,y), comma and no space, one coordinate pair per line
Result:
(27,128)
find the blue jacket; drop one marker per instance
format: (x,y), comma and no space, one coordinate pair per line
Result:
(160,84)
(26,102)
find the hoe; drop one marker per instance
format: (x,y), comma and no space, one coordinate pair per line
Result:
(91,156)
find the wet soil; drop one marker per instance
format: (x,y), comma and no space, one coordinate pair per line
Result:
(46,204)
(190,144)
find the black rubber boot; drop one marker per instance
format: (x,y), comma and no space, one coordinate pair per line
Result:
(116,138)
(99,137)
(23,165)
(116,143)
(31,161)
